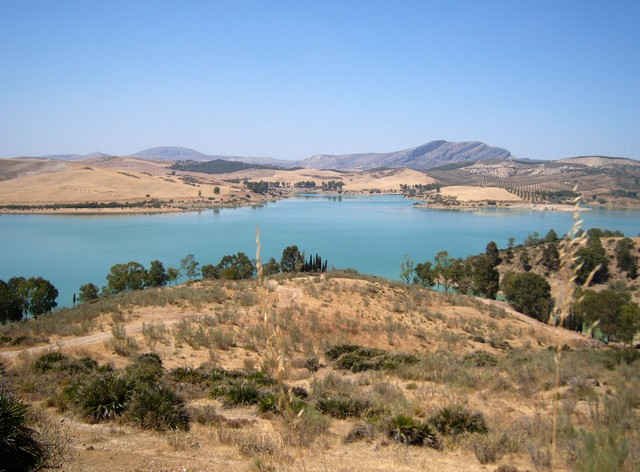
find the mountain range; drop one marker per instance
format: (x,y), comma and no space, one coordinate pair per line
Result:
(427,156)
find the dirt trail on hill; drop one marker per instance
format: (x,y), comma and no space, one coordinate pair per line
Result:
(134,327)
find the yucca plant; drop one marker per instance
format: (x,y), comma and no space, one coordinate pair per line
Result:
(20,449)
(103,396)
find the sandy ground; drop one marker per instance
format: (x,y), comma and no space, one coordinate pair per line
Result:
(467,193)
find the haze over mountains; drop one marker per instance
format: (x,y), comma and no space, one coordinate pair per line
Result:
(424,157)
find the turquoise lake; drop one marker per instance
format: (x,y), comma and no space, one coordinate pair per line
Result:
(370,234)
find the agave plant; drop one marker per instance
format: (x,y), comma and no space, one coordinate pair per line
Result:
(19,448)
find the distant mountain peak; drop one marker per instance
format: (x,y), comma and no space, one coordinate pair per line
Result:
(171,153)
(425,156)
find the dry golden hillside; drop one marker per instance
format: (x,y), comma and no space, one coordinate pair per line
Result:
(387,180)
(33,183)
(131,184)
(313,372)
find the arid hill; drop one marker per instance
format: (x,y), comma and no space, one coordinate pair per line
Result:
(325,372)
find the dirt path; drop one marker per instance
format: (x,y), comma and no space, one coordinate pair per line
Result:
(132,328)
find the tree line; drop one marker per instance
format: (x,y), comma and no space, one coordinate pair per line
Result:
(133,275)
(609,314)
(21,297)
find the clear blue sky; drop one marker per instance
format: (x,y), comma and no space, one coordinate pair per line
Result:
(543,79)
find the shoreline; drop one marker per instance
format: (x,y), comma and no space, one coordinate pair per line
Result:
(194,207)
(45,209)
(556,207)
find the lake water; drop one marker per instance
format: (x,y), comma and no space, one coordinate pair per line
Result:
(371,234)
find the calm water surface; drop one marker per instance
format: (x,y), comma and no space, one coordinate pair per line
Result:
(371,234)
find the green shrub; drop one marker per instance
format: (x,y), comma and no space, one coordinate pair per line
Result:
(268,403)
(359,359)
(157,407)
(102,396)
(343,407)
(406,430)
(146,369)
(481,359)
(336,351)
(56,361)
(237,387)
(280,402)
(456,419)
(241,393)
(189,375)
(20,449)
(50,361)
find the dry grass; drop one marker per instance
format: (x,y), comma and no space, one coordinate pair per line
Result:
(468,352)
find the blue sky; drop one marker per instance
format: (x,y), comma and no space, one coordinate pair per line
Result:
(291,79)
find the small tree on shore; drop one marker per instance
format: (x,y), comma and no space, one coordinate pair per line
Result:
(292,259)
(88,292)
(189,266)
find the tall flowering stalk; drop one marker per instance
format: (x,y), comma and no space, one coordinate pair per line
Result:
(258,259)
(570,266)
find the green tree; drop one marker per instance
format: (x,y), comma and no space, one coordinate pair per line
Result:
(271,267)
(209,271)
(551,236)
(592,258)
(509,252)
(443,271)
(533,239)
(625,257)
(485,278)
(35,295)
(129,276)
(529,293)
(550,257)
(425,274)
(525,261)
(292,259)
(88,292)
(11,306)
(156,275)
(618,316)
(461,275)
(236,267)
(173,274)
(493,254)
(406,269)
(189,266)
